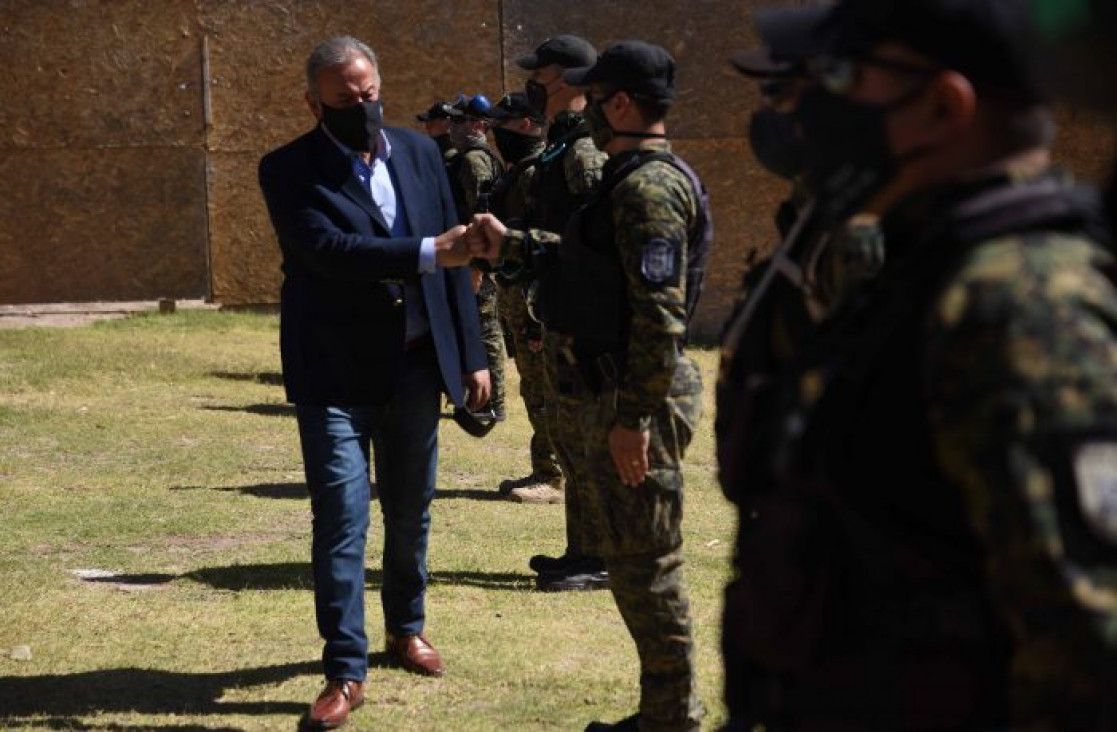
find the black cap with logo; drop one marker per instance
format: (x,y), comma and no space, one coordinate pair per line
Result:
(636,67)
(990,42)
(438,110)
(568,51)
(515,106)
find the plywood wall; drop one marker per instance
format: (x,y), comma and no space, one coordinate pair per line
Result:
(131,129)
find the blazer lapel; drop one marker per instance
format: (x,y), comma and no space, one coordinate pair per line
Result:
(409,194)
(339,168)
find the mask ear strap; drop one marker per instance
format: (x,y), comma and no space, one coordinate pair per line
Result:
(641,135)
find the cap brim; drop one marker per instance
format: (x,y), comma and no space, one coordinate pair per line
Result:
(581,76)
(528,62)
(793,35)
(760,64)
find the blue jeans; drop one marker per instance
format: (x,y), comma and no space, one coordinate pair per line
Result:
(335,443)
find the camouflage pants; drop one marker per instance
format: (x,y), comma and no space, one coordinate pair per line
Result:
(513,309)
(493,338)
(564,438)
(638,531)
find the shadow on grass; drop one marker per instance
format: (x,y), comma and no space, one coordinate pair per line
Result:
(264,410)
(473,494)
(261,490)
(297,576)
(140,691)
(271,378)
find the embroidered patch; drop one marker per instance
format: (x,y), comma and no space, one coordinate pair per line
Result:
(659,262)
(1095,468)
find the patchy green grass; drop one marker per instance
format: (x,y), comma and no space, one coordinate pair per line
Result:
(159,449)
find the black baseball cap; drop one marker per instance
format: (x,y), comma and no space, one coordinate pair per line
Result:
(438,110)
(515,106)
(787,42)
(990,42)
(632,66)
(568,51)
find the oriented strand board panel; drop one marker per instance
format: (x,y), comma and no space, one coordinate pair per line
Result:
(244,244)
(82,225)
(700,35)
(101,159)
(427,49)
(99,73)
(1085,146)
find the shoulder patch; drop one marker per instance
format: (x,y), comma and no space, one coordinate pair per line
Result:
(1095,472)
(659,262)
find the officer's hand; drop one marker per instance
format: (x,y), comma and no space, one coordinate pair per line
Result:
(629,449)
(487,236)
(451,248)
(477,389)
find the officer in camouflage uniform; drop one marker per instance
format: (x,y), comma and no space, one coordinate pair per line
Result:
(473,173)
(618,294)
(568,171)
(928,493)
(518,131)
(436,121)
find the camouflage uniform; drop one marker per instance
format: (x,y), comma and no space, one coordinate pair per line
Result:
(510,204)
(916,550)
(568,172)
(638,530)
(446,147)
(473,173)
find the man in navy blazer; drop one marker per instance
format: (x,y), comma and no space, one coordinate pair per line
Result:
(378,318)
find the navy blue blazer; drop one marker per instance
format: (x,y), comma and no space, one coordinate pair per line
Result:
(342,313)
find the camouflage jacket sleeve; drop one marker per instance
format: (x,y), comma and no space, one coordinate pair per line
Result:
(1021,371)
(476,177)
(582,167)
(514,257)
(653,209)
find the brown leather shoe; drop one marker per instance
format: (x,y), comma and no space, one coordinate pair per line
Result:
(333,705)
(415,653)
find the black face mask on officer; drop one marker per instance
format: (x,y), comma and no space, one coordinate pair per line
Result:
(775,141)
(536,95)
(845,147)
(601,132)
(356,127)
(514,146)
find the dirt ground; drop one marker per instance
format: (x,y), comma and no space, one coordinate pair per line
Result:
(73,315)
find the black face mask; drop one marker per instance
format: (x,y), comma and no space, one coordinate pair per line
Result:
(776,142)
(444,142)
(355,127)
(513,146)
(536,96)
(845,148)
(600,130)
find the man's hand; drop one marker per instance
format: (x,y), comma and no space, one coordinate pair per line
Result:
(451,249)
(486,236)
(477,389)
(629,449)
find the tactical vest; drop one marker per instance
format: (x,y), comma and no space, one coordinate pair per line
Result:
(583,292)
(454,171)
(852,544)
(550,202)
(499,195)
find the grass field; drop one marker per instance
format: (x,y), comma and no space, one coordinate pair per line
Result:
(154,552)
